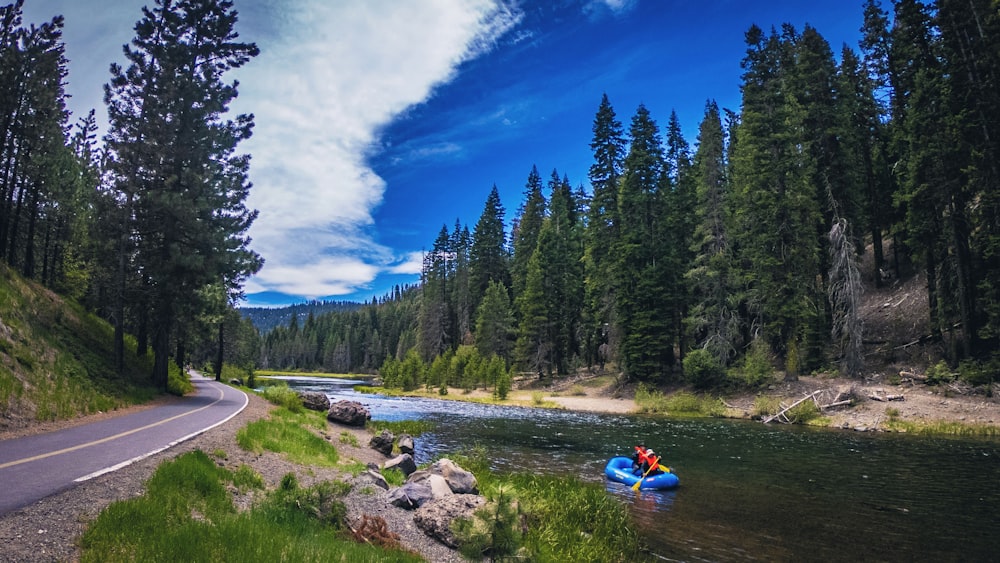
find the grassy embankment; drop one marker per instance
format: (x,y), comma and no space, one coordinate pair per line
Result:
(188,512)
(56,359)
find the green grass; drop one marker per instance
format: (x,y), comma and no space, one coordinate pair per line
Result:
(284,432)
(273,373)
(412,427)
(681,403)
(56,358)
(943,428)
(349,439)
(280,394)
(187,515)
(565,519)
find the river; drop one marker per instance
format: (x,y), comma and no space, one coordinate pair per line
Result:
(748,491)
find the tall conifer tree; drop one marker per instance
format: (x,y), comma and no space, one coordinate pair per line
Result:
(609,147)
(643,304)
(174,156)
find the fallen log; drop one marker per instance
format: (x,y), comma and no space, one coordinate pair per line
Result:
(877,397)
(836,404)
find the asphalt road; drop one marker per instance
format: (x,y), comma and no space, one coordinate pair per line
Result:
(34,467)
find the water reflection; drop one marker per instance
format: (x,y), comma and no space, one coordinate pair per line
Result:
(748,491)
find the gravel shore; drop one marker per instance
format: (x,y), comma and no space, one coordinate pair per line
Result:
(49,529)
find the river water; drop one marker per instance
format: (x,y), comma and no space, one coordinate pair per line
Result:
(749,491)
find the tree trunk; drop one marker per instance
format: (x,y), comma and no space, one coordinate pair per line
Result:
(219,353)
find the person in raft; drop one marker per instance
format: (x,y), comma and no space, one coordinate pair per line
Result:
(642,459)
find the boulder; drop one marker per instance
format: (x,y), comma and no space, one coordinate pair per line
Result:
(439,487)
(402,462)
(371,477)
(405,443)
(382,442)
(314,400)
(351,413)
(460,480)
(410,495)
(435,517)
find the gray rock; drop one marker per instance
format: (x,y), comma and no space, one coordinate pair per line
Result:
(435,517)
(351,413)
(410,495)
(439,487)
(382,442)
(402,462)
(460,480)
(314,400)
(370,477)
(405,443)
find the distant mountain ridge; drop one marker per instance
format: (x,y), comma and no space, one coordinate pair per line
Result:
(266,318)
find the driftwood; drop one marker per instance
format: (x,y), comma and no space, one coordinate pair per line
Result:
(781,414)
(912,375)
(877,397)
(836,404)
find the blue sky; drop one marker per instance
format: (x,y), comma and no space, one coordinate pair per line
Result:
(379,121)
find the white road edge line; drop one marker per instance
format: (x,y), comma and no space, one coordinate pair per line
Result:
(99,472)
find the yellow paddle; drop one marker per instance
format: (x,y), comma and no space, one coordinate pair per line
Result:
(656,461)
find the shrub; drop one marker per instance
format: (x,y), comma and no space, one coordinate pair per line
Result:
(494,531)
(702,369)
(939,373)
(765,406)
(757,368)
(976,374)
(803,412)
(178,382)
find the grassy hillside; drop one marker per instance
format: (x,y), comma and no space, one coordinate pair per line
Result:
(56,359)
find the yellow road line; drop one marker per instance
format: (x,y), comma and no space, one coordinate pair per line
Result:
(107,439)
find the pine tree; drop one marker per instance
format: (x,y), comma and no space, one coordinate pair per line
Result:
(642,301)
(525,234)
(774,206)
(608,146)
(970,43)
(495,323)
(488,257)
(435,305)
(174,159)
(713,319)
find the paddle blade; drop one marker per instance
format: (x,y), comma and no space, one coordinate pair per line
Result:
(637,483)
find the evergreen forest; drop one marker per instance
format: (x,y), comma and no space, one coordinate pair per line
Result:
(674,263)
(673,260)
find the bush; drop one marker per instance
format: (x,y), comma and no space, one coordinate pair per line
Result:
(803,412)
(977,374)
(178,382)
(939,373)
(757,369)
(765,406)
(495,530)
(702,369)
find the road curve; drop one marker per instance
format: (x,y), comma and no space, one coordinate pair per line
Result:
(34,467)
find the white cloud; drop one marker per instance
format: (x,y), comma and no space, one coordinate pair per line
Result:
(336,74)
(412,264)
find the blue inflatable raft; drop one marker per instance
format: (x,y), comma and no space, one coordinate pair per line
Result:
(620,469)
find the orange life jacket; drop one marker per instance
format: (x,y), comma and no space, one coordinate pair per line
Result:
(643,457)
